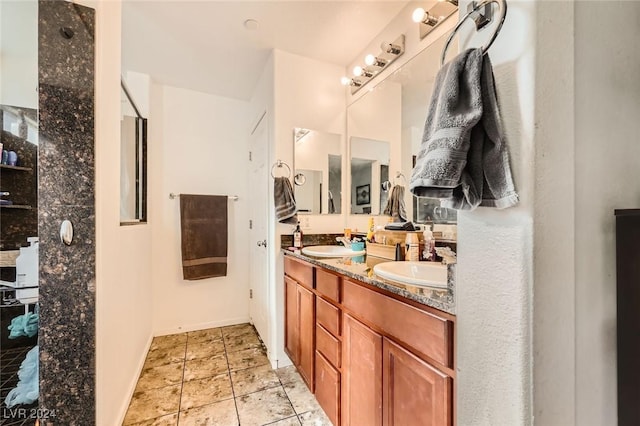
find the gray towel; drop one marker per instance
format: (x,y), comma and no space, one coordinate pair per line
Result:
(395,205)
(463,159)
(284,201)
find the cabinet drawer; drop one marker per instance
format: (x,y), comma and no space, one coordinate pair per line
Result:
(299,271)
(328,285)
(328,316)
(328,388)
(328,346)
(422,331)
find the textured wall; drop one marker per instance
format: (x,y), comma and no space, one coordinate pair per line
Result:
(66,191)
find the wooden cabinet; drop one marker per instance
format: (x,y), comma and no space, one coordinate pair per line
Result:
(414,392)
(370,357)
(300,318)
(361,374)
(405,365)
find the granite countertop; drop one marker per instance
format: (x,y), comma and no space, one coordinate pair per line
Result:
(361,270)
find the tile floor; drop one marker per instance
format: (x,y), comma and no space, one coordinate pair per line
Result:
(220,376)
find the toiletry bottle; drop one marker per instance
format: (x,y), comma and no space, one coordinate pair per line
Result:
(412,247)
(429,246)
(398,252)
(297,236)
(370,231)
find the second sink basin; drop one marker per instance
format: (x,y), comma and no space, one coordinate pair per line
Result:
(331,251)
(424,274)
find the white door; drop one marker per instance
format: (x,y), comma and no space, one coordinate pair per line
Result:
(259,213)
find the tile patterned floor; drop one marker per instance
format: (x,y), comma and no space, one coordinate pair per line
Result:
(222,377)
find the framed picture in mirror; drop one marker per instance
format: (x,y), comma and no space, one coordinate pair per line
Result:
(363,194)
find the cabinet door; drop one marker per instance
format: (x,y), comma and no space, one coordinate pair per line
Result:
(306,328)
(328,388)
(361,374)
(414,392)
(291,320)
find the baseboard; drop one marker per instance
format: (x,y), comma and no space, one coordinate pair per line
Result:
(201,326)
(134,381)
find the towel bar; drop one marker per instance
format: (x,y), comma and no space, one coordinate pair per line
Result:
(231,197)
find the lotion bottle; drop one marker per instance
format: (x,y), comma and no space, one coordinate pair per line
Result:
(297,236)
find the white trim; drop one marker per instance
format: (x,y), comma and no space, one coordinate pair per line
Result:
(134,382)
(201,326)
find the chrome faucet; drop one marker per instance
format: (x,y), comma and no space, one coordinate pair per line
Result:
(344,241)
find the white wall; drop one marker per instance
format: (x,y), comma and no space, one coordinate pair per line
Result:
(607,160)
(201,143)
(123,254)
(495,267)
(19,53)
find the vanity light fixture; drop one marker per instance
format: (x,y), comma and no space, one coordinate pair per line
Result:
(374,64)
(428,20)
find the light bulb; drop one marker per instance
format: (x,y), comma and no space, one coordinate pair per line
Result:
(418,15)
(345,81)
(357,70)
(369,59)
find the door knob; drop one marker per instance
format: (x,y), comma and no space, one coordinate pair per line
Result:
(262,243)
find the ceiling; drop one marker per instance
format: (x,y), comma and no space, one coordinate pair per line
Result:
(204,45)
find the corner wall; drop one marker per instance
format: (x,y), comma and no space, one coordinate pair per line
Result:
(494,281)
(123,253)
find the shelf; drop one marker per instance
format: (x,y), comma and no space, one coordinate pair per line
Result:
(24,169)
(15,206)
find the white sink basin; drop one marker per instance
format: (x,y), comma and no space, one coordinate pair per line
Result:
(424,274)
(331,251)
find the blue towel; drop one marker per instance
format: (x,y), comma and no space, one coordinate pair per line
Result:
(27,390)
(24,325)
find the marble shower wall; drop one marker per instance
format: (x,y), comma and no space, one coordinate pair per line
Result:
(66,191)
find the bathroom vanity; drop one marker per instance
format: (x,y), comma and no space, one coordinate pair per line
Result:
(372,351)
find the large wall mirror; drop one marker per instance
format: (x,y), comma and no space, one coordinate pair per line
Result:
(395,112)
(317,171)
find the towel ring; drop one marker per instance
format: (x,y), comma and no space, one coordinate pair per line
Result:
(503,13)
(279,164)
(398,176)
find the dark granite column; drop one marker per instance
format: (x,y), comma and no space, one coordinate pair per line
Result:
(66,191)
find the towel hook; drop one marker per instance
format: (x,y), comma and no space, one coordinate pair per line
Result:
(280,164)
(472,14)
